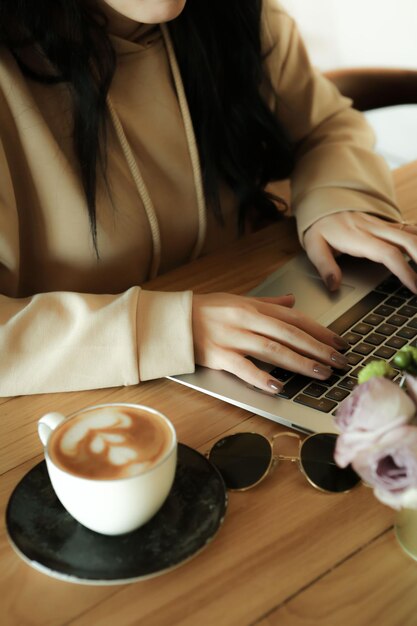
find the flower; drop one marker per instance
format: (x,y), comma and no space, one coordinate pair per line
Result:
(376,404)
(390,466)
(376,432)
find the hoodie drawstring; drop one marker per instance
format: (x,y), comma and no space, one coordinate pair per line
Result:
(194,157)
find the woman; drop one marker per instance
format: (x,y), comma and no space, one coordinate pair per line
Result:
(128,148)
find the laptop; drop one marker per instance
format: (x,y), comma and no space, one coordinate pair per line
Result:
(372,310)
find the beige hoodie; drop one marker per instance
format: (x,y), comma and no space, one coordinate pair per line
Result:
(68,321)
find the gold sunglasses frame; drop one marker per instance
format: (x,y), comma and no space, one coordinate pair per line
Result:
(275,458)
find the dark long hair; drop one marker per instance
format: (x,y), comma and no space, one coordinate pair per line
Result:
(218,46)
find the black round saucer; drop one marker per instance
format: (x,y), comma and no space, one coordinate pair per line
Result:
(52,541)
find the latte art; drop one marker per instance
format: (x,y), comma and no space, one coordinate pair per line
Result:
(110,442)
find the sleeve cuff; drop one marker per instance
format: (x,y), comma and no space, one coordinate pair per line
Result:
(164,330)
(317,204)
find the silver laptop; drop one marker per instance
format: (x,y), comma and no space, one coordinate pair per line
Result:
(372,310)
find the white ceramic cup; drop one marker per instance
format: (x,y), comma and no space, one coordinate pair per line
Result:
(116,505)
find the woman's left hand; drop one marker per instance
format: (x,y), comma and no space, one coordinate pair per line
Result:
(361,235)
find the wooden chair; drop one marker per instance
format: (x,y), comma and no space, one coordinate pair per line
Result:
(374,88)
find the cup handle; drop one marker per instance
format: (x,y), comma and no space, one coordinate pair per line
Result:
(47,424)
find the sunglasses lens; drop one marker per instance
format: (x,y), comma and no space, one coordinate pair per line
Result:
(317,461)
(242,459)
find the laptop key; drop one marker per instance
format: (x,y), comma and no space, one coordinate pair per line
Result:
(413,323)
(408,311)
(294,386)
(395,342)
(352,338)
(404,292)
(320,404)
(315,390)
(348,383)
(373,319)
(337,394)
(362,329)
(407,332)
(355,313)
(353,359)
(395,301)
(281,374)
(384,352)
(386,329)
(397,320)
(332,380)
(389,285)
(363,348)
(375,339)
(384,310)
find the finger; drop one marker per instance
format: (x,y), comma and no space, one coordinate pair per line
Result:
(394,260)
(399,235)
(278,354)
(380,251)
(374,222)
(322,257)
(363,242)
(278,339)
(301,321)
(247,371)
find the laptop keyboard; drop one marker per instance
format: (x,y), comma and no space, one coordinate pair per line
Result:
(376,327)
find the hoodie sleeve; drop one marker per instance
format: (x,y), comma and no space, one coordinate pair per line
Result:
(336,168)
(63,341)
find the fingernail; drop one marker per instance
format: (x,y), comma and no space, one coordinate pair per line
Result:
(322,370)
(275,385)
(331,282)
(340,343)
(339,360)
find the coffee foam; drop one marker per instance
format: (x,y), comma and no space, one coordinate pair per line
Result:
(97,422)
(110,442)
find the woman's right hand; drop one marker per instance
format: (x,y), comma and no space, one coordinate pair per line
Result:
(229,328)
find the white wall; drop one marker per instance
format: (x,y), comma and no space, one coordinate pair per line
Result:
(349,33)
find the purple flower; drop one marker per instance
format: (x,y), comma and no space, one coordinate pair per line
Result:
(390,467)
(349,445)
(375,406)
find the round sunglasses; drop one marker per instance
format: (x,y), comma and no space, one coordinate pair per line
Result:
(245,459)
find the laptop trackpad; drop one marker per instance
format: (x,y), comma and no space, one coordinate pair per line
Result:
(311,295)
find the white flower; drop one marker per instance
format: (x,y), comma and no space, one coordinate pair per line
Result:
(389,465)
(377,404)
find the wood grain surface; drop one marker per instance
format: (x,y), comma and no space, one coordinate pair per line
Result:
(286,553)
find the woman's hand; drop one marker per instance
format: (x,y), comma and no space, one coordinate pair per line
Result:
(361,235)
(228,328)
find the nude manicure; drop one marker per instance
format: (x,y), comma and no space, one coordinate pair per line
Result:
(331,282)
(339,360)
(274,385)
(322,370)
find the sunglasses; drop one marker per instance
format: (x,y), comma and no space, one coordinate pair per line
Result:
(245,459)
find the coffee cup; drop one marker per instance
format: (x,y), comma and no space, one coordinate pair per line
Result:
(111,465)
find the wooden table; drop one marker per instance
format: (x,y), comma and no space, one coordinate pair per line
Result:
(286,553)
